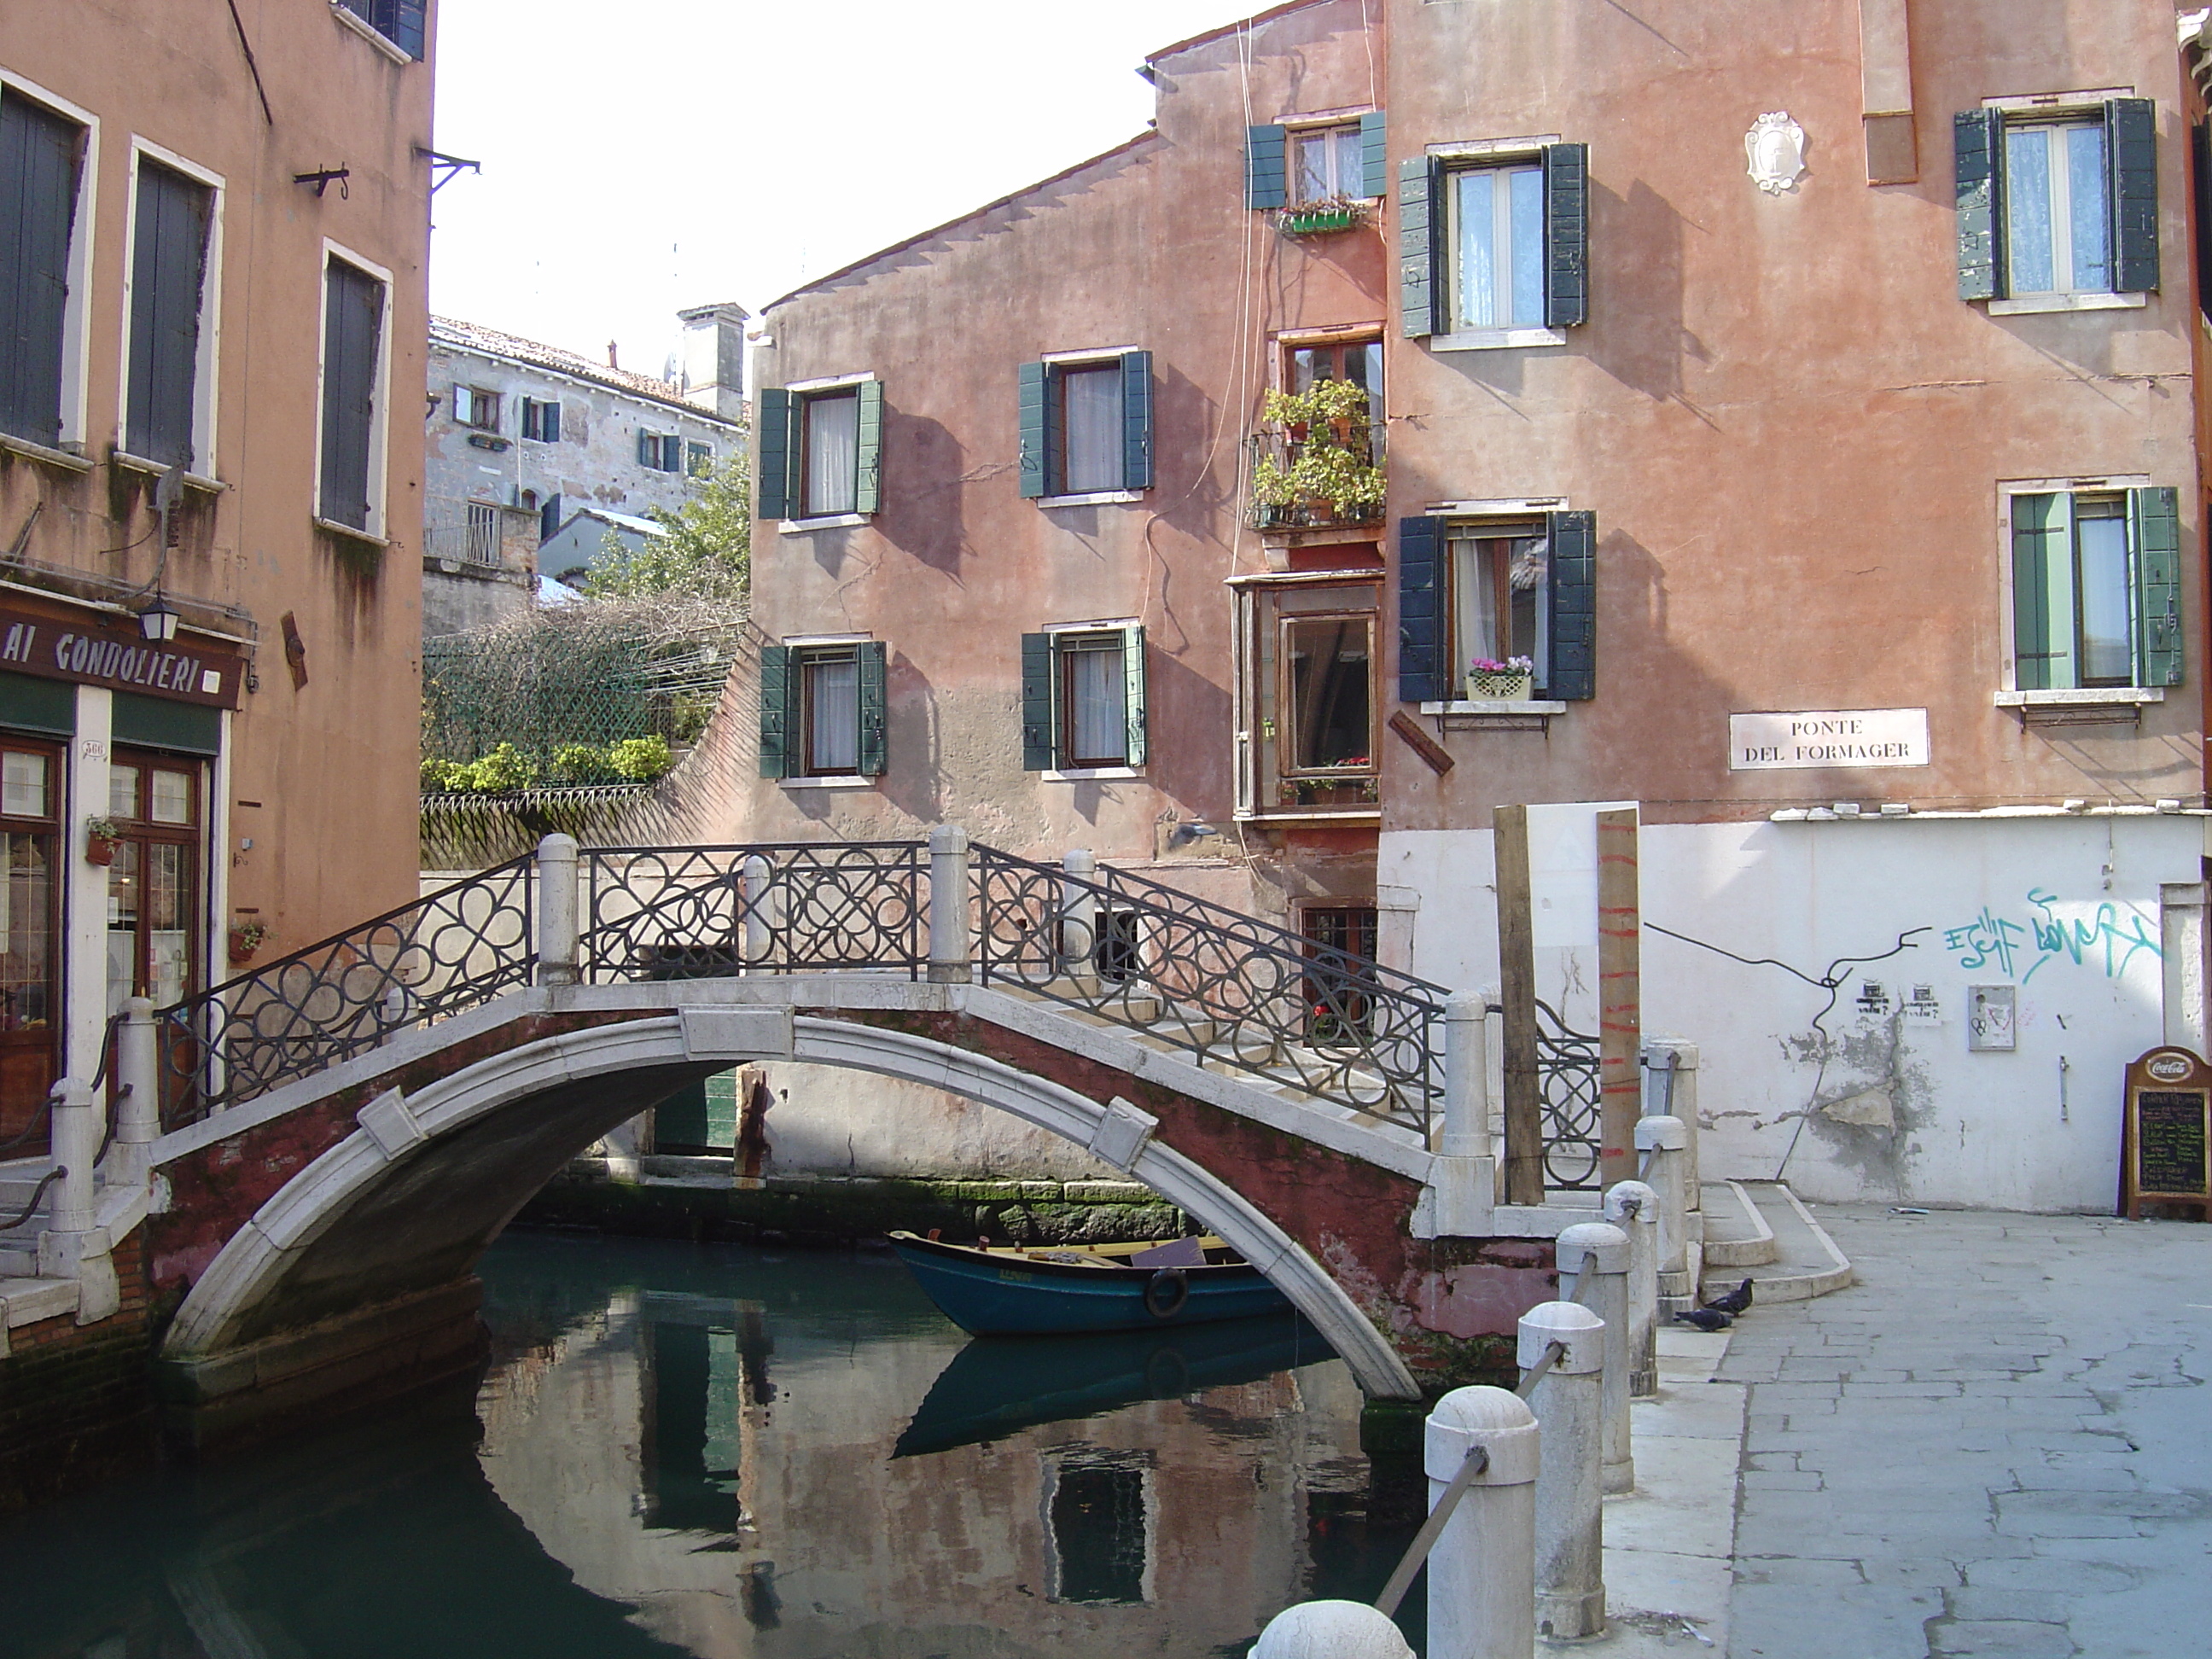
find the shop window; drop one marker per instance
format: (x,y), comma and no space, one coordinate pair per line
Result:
(823,710)
(1086,425)
(42,163)
(30,944)
(1083,699)
(2096,589)
(153,879)
(820,451)
(2057,201)
(169,280)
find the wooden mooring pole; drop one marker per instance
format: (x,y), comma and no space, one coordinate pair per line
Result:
(1516,996)
(1620,994)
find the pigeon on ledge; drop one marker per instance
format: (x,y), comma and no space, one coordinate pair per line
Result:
(1705,1319)
(1735,1301)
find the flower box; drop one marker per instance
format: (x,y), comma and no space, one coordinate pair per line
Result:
(1319,221)
(1501,685)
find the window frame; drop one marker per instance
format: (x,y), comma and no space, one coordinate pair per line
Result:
(1428,244)
(1297,131)
(780,477)
(786,710)
(1053,747)
(806,661)
(53,826)
(2011,693)
(1286,699)
(477,397)
(1057,371)
(534,410)
(804,407)
(355,15)
(208,357)
(144,831)
(75,389)
(1501,218)
(1362,337)
(1504,527)
(1041,422)
(1984,274)
(380,418)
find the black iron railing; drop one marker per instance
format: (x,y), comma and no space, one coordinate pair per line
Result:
(1567,1074)
(1233,990)
(448,950)
(704,912)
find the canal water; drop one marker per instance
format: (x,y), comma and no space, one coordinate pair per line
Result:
(744,1454)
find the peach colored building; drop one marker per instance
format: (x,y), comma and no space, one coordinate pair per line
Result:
(212,315)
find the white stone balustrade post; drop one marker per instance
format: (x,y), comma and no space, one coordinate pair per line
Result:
(755,881)
(951,936)
(1634,1208)
(559,932)
(1331,1629)
(73,1138)
(1482,1572)
(1599,1251)
(1659,1143)
(1570,1496)
(1672,1069)
(1466,1072)
(1078,916)
(137,1095)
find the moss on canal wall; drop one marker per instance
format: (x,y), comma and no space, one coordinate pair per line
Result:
(697,1198)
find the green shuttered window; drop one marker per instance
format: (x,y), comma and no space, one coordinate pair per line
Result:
(40,154)
(824,710)
(2056,202)
(1422,670)
(168,269)
(1463,245)
(353,327)
(1084,427)
(821,451)
(1285,166)
(1465,591)
(1084,699)
(1265,167)
(2096,586)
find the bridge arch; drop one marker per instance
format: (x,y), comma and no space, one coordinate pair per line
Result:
(399,1207)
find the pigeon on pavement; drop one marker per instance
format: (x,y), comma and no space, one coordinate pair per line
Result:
(1735,1301)
(1705,1319)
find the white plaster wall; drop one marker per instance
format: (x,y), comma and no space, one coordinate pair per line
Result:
(1893,1106)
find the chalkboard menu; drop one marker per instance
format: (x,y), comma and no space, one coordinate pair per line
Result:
(2163,1153)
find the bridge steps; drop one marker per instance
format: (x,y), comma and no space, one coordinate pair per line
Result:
(1764,1233)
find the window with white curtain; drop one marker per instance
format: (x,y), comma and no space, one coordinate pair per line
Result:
(829,462)
(2057,228)
(1091,430)
(829,704)
(1094,691)
(1498,244)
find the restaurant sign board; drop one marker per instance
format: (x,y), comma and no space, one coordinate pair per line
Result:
(92,649)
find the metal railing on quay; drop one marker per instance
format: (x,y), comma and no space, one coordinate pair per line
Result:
(448,950)
(786,907)
(1234,990)
(1567,1073)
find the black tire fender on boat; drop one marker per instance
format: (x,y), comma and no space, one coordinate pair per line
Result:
(1165,1292)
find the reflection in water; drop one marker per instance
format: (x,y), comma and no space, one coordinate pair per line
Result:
(723,1452)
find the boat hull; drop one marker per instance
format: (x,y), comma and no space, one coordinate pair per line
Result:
(1018,1296)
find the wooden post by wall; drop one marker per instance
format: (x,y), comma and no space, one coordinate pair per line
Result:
(1620,994)
(1516,963)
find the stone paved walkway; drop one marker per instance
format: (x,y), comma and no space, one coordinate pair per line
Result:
(1999,1444)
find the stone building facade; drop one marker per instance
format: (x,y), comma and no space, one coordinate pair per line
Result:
(521,436)
(1810,405)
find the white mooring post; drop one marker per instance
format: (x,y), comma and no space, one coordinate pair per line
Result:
(1333,1630)
(73,1138)
(1482,1572)
(1079,914)
(1659,1143)
(1671,1067)
(1599,1251)
(138,1095)
(1634,1208)
(1570,1498)
(560,935)
(951,944)
(755,880)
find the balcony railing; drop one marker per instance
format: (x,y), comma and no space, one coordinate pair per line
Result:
(470,531)
(1274,456)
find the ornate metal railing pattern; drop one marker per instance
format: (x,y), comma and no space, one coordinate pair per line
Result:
(1231,989)
(705,912)
(1567,1073)
(448,950)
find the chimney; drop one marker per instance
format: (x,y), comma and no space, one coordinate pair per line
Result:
(613,361)
(715,358)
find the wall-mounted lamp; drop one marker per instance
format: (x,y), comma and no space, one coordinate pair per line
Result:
(157,622)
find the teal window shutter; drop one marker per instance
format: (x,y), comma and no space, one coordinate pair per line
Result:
(1374,155)
(1423,674)
(1034,401)
(1566,234)
(2154,534)
(2131,158)
(1573,676)
(1134,704)
(772,484)
(1267,173)
(1136,420)
(1037,744)
(2043,592)
(1977,158)
(1419,226)
(872,662)
(868,490)
(777,728)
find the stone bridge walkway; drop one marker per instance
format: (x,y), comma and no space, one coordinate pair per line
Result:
(1999,1445)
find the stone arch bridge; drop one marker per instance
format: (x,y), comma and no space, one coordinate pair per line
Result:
(343,1132)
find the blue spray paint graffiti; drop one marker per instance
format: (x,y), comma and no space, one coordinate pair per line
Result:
(2109,939)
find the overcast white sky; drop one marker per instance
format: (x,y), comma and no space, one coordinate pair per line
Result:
(642,156)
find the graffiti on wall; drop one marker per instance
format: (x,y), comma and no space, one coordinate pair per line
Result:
(2107,939)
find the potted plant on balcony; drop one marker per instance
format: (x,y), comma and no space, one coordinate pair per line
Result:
(1322,216)
(1512,680)
(101,835)
(1318,466)
(246,938)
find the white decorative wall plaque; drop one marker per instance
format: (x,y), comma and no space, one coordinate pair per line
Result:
(1842,738)
(1774,152)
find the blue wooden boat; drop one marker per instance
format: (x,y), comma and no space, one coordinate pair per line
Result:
(1024,1291)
